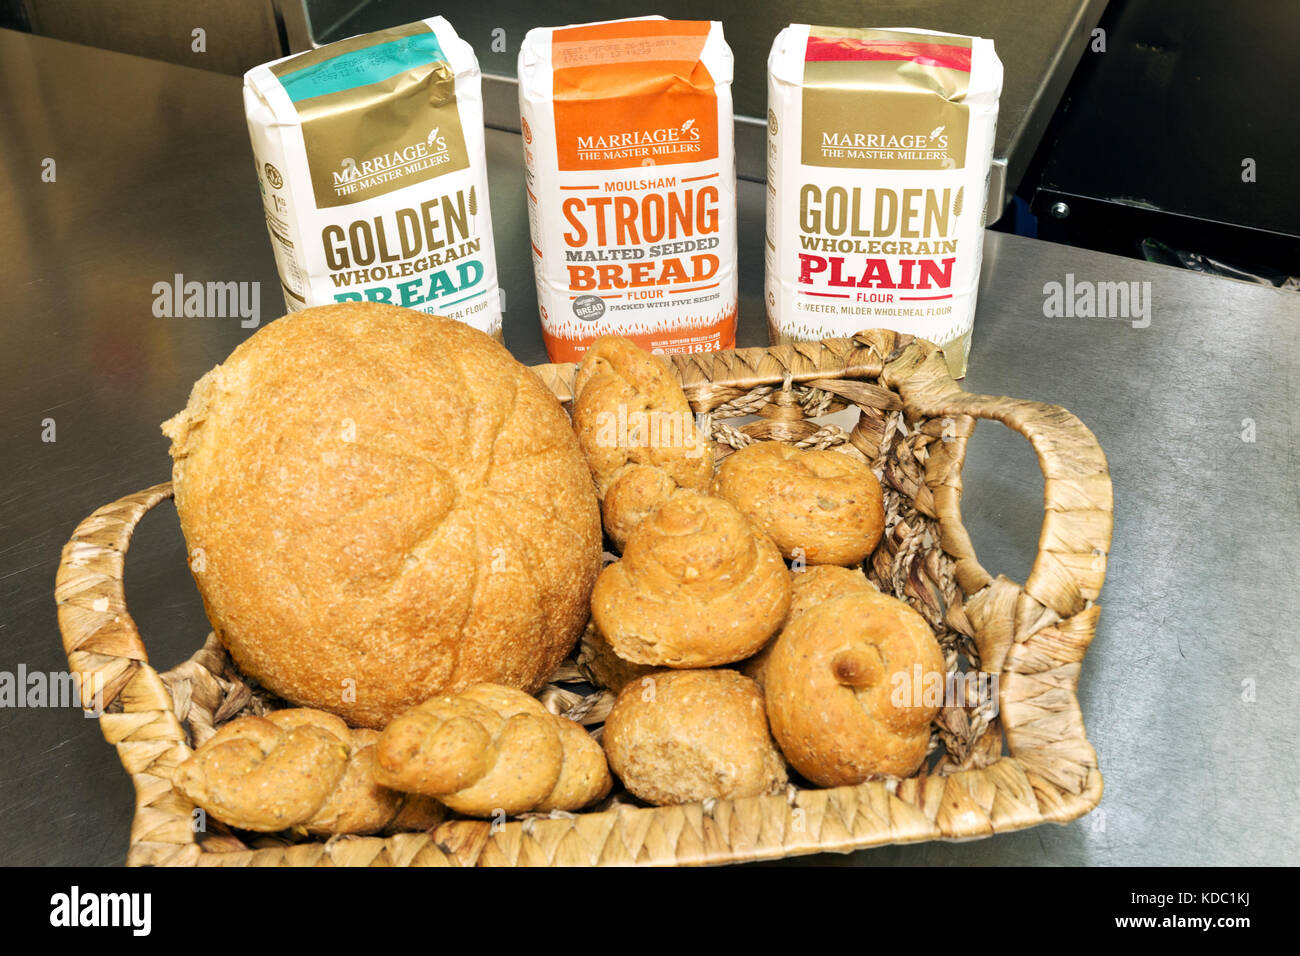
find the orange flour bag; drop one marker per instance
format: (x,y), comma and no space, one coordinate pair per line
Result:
(630,163)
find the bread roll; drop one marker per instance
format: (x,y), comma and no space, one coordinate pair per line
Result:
(839,689)
(683,736)
(297,768)
(637,431)
(492,749)
(808,588)
(598,662)
(383,506)
(696,587)
(822,506)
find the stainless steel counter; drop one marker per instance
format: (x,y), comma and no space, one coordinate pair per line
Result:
(1188,692)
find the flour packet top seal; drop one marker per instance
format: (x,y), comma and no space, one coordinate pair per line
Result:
(370,157)
(630,164)
(879,149)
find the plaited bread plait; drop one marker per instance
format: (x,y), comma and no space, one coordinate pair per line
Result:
(492,749)
(297,769)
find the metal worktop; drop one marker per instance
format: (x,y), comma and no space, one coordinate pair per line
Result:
(1188,692)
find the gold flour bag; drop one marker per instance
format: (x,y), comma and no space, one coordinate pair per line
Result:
(370,156)
(631,174)
(879,148)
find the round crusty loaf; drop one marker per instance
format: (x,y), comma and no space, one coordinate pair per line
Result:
(682,736)
(816,504)
(383,506)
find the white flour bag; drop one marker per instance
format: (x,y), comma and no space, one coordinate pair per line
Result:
(879,149)
(631,172)
(374,181)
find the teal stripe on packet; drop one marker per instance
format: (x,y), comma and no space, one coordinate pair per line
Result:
(374,64)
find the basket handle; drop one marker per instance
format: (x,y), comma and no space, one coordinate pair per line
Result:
(1073,545)
(102,642)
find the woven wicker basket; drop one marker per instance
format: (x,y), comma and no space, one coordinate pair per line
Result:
(990,771)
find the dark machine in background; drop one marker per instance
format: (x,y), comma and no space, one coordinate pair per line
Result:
(1179,143)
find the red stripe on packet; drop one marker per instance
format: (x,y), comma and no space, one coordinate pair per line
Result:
(823,49)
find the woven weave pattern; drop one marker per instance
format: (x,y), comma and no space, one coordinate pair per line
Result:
(990,772)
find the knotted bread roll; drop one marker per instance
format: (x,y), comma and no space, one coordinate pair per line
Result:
(808,588)
(841,689)
(821,505)
(696,587)
(637,431)
(298,768)
(492,749)
(682,736)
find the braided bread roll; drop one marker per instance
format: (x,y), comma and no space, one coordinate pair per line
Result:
(837,685)
(696,587)
(636,428)
(492,749)
(812,586)
(297,768)
(820,504)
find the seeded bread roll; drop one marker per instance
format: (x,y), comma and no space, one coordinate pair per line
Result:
(382,506)
(696,587)
(821,506)
(298,768)
(637,431)
(837,685)
(684,736)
